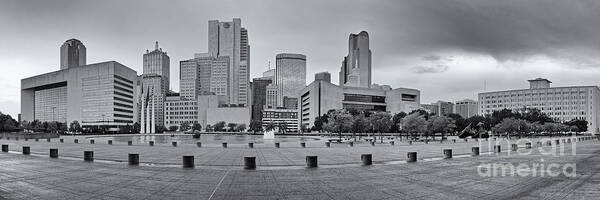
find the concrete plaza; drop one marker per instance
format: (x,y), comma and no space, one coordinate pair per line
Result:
(281,173)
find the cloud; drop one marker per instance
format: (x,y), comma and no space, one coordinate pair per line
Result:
(429,69)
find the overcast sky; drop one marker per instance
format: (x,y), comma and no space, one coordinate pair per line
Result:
(445,48)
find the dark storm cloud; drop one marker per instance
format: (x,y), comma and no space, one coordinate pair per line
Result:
(504,29)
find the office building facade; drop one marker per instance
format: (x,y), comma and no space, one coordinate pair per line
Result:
(99,94)
(466,108)
(289,117)
(259,96)
(560,103)
(231,39)
(290,76)
(157,62)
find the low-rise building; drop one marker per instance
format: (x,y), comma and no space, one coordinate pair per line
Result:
(321,96)
(466,108)
(278,116)
(99,94)
(560,103)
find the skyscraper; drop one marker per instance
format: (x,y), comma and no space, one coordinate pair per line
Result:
(259,95)
(72,54)
(158,62)
(290,76)
(204,76)
(154,87)
(356,67)
(231,39)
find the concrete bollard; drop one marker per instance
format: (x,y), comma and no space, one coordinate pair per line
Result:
(303,144)
(466,140)
(47,139)
(327,144)
(447,153)
(4,147)
(372,143)
(26,150)
(412,157)
(351,144)
(110,142)
(37,140)
(367,159)
(133,159)
(453,140)
(188,161)
(514,147)
(174,144)
(250,145)
(474,151)
(528,145)
(92,141)
(129,142)
(88,156)
(249,162)
(198,144)
(17,138)
(311,161)
(224,144)
(392,143)
(61,140)
(497,149)
(75,141)
(556,142)
(276,144)
(151,143)
(410,142)
(53,153)
(549,143)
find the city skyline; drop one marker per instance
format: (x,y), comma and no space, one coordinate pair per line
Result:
(459,66)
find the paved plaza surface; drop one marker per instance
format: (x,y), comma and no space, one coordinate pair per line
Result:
(281,173)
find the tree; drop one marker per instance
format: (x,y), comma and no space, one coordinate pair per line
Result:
(231,127)
(359,125)
(219,126)
(7,123)
(256,126)
(282,126)
(440,124)
(414,124)
(173,128)
(74,126)
(319,122)
(460,123)
(136,127)
(209,128)
(580,124)
(184,126)
(270,126)
(240,127)
(196,127)
(52,127)
(381,122)
(62,127)
(338,122)
(396,121)
(160,129)
(420,112)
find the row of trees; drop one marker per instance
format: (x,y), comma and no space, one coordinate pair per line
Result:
(420,123)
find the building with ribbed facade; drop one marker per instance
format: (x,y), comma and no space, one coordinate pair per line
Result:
(466,108)
(72,54)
